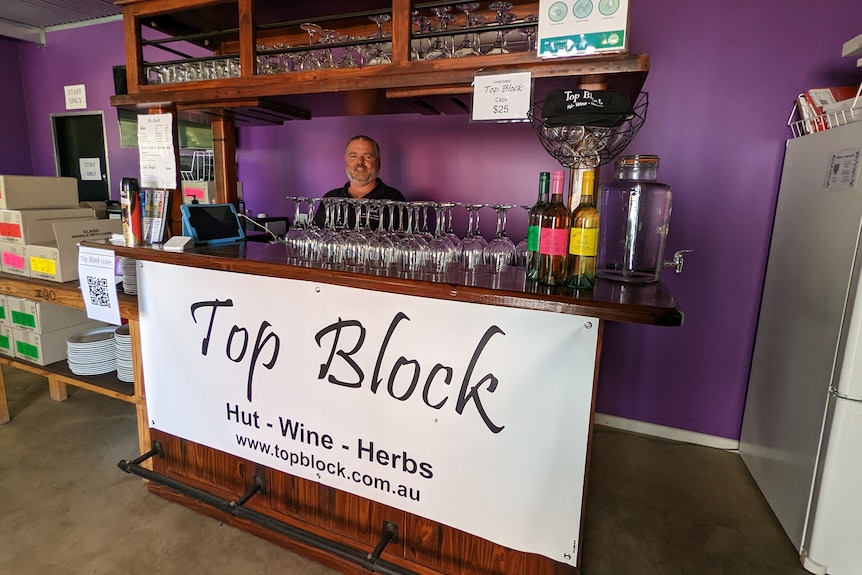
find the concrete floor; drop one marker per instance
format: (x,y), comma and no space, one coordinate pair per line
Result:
(654,507)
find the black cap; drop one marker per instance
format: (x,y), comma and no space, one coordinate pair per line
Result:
(602,108)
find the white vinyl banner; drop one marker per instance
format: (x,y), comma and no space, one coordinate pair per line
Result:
(471,415)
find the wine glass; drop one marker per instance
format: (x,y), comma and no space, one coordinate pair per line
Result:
(438,49)
(379,19)
(355,243)
(310,240)
(294,234)
(412,249)
(325,60)
(308,61)
(441,251)
(377,55)
(330,242)
(521,247)
(472,246)
(529,32)
(503,17)
(352,57)
(450,232)
(381,248)
(468,46)
(424,25)
(500,252)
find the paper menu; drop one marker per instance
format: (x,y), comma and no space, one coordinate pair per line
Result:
(156,149)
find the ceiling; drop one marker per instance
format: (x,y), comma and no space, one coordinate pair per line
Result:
(29,19)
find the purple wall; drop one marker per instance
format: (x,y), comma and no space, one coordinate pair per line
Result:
(76,56)
(722,83)
(14,142)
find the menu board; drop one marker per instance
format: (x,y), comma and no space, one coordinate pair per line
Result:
(156,149)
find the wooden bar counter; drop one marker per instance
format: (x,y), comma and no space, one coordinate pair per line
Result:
(342,529)
(650,304)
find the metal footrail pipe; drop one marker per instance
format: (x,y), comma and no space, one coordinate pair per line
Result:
(369,560)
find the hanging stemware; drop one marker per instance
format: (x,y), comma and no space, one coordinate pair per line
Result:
(500,252)
(503,17)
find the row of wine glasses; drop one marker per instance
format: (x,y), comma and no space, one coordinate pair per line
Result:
(396,236)
(442,35)
(435,36)
(210,69)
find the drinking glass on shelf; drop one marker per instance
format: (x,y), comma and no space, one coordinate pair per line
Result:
(376,55)
(308,60)
(381,248)
(329,242)
(438,49)
(352,57)
(442,253)
(521,247)
(424,25)
(469,45)
(379,19)
(355,243)
(412,250)
(500,252)
(309,242)
(472,246)
(450,232)
(291,240)
(503,17)
(529,32)
(325,60)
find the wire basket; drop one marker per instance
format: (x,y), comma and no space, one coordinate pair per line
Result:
(585,146)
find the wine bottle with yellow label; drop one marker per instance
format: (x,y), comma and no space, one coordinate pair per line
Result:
(584,237)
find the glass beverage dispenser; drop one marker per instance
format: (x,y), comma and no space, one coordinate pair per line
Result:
(635,215)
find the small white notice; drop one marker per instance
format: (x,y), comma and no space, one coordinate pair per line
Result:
(98,288)
(502,97)
(76,97)
(842,172)
(156,149)
(91,169)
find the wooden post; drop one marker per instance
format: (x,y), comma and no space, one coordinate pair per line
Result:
(224,157)
(4,404)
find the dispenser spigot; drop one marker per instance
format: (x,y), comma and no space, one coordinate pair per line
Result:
(678,260)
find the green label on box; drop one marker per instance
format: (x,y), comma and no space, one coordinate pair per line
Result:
(4,341)
(2,312)
(27,349)
(25,319)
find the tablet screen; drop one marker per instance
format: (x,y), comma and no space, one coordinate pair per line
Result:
(212,223)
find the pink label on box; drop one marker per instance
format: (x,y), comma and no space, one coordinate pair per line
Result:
(13,260)
(196,193)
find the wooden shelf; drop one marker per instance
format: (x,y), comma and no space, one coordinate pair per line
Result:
(233,27)
(67,294)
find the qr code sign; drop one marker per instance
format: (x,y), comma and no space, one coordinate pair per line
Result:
(99,295)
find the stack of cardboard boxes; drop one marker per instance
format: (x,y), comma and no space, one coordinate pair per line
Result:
(41,224)
(37,331)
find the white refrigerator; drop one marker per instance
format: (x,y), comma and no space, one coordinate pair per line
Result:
(802,427)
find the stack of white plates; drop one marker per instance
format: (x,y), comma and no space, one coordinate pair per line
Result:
(92,352)
(123,347)
(130,275)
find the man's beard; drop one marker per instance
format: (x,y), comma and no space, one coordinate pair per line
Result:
(359,177)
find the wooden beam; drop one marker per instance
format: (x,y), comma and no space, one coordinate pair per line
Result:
(224,156)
